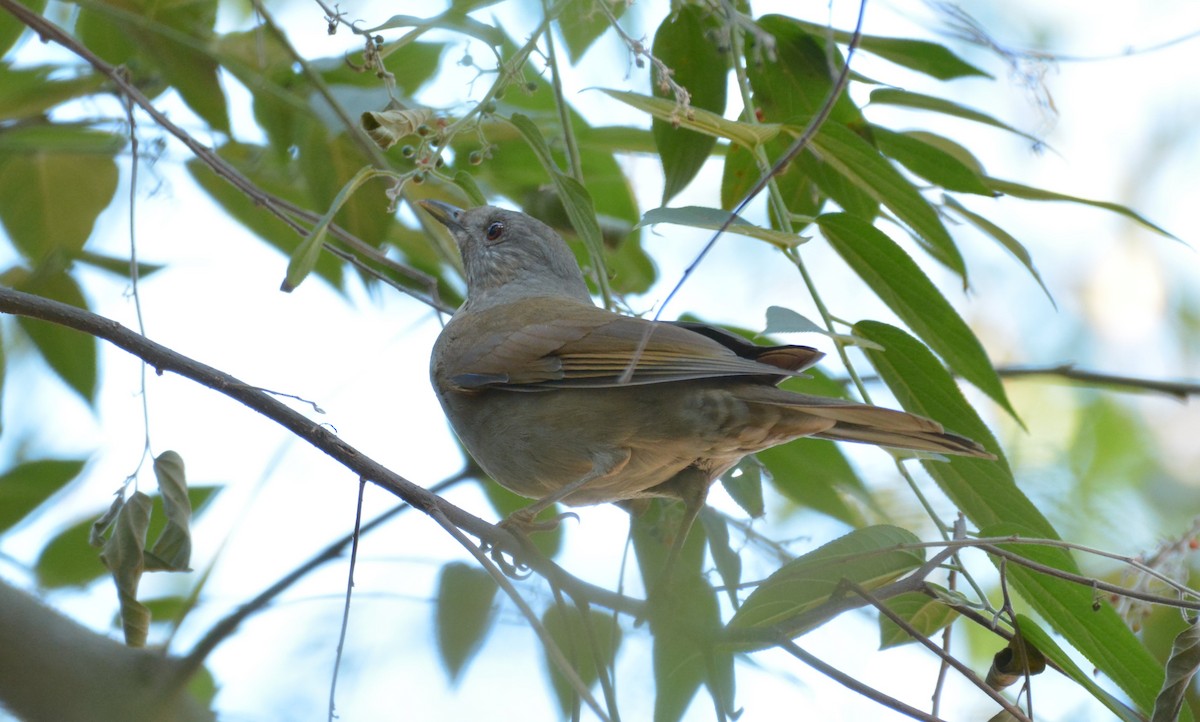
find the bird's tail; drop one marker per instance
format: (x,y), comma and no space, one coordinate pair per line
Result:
(867,424)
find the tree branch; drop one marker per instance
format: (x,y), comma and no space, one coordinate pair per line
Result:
(164,359)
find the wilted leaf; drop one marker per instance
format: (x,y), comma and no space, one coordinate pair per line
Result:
(123,555)
(172,550)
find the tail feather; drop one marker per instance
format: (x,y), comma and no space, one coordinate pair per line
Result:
(867,424)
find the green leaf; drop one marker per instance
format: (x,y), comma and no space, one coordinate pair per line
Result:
(1045,644)
(684,42)
(575,198)
(306,255)
(925,614)
(1003,237)
(277,176)
(1018,190)
(797,182)
(581,25)
(506,502)
(712,219)
(584,637)
(932,59)
(794,86)
(700,120)
(28,92)
(464,614)
(118,266)
(154,37)
(868,557)
(901,284)
(728,562)
(123,555)
(929,161)
(11,28)
(70,353)
(1075,611)
(452,20)
(785,320)
(859,161)
(45,205)
(683,614)
(743,483)
(917,101)
(172,550)
(986,493)
(29,484)
(815,474)
(331,165)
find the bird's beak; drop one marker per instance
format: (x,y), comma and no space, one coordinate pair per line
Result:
(445,213)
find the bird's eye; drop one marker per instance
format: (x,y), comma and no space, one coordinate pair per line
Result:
(495,230)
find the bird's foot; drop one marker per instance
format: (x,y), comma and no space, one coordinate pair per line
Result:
(520,524)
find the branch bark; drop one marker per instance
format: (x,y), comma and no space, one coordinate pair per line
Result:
(164,359)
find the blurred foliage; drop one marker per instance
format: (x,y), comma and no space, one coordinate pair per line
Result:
(317,178)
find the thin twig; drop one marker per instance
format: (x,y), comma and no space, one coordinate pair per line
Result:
(853,684)
(341,645)
(164,359)
(946,658)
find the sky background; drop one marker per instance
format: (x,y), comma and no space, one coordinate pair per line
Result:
(1122,128)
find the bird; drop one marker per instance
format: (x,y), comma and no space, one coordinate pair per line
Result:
(559,400)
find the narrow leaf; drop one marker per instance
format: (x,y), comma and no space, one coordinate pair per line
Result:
(702,121)
(575,198)
(917,101)
(304,259)
(901,284)
(932,59)
(859,161)
(1087,621)
(743,483)
(712,219)
(464,614)
(1037,194)
(930,162)
(785,320)
(1046,645)
(1004,238)
(728,561)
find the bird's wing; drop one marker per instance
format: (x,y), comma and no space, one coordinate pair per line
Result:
(551,343)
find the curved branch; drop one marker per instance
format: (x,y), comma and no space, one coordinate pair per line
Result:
(164,359)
